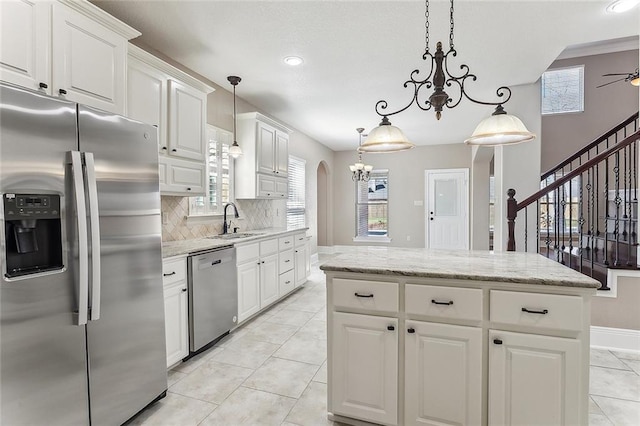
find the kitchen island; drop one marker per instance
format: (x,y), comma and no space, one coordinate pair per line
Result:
(436,337)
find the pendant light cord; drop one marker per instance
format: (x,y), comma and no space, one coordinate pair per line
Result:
(234,114)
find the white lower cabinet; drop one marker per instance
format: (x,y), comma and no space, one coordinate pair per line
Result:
(365,367)
(269,283)
(533,379)
(176,314)
(301,261)
(443,374)
(248,289)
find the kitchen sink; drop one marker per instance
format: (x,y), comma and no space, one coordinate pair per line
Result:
(233,236)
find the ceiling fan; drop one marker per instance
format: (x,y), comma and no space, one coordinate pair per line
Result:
(633,78)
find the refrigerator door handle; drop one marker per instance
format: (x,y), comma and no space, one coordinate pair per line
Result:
(94,218)
(83,243)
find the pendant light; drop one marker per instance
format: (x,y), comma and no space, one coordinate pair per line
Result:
(499,129)
(234,150)
(360,171)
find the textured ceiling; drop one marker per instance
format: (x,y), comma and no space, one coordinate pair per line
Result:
(358,52)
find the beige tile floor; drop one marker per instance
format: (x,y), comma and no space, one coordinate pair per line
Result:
(273,371)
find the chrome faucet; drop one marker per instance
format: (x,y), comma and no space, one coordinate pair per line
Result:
(225,225)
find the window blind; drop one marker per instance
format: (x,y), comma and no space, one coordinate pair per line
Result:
(296,202)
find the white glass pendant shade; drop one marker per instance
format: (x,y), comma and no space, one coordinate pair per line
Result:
(386,138)
(635,82)
(500,129)
(368,168)
(352,168)
(234,150)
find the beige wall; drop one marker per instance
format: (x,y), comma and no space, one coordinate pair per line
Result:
(220,114)
(605,107)
(406,185)
(621,312)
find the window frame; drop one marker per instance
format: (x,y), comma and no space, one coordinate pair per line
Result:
(221,137)
(300,211)
(372,238)
(581,91)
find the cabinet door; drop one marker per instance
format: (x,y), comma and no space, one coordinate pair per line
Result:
(443,374)
(266,185)
(25,38)
(533,379)
(265,148)
(175,317)
(187,121)
(248,289)
(364,367)
(89,61)
(181,177)
(301,255)
(147,98)
(282,154)
(282,187)
(269,283)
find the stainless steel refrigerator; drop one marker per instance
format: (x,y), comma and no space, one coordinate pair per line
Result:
(82,336)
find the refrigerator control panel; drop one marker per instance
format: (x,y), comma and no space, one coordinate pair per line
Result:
(31,206)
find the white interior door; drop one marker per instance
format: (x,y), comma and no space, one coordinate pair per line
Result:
(447,209)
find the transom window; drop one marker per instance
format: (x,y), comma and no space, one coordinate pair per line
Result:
(372,209)
(220,173)
(563,90)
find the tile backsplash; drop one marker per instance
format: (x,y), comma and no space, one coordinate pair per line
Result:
(254,214)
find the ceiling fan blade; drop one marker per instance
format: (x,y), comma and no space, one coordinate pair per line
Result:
(621,73)
(611,82)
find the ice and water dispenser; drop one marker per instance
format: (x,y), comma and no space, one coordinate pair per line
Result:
(32,232)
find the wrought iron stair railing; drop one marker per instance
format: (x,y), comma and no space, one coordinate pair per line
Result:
(587,210)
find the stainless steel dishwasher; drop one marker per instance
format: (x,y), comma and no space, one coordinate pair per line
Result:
(213,296)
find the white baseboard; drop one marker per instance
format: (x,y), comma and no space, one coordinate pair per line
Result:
(615,338)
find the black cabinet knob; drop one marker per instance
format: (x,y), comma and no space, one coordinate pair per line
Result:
(174,150)
(43,85)
(62,92)
(184,290)
(188,189)
(411,330)
(164,148)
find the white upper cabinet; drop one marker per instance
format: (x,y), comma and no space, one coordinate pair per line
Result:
(187,121)
(147,97)
(71,49)
(25,40)
(261,171)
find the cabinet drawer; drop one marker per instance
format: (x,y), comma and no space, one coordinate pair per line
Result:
(248,252)
(286,283)
(535,309)
(268,247)
(286,261)
(174,270)
(300,239)
(285,243)
(360,294)
(444,302)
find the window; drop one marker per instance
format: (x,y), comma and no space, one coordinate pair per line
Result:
(560,209)
(220,172)
(563,90)
(296,200)
(372,218)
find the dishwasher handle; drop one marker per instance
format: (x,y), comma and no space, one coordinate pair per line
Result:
(209,260)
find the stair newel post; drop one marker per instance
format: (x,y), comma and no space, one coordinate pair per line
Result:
(512,212)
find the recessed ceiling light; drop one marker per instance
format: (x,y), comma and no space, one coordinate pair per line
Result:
(621,6)
(293,60)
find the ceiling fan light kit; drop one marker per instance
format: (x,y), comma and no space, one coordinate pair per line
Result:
(632,77)
(494,131)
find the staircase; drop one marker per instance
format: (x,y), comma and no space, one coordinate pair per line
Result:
(587,209)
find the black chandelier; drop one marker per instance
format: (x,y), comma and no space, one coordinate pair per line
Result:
(501,128)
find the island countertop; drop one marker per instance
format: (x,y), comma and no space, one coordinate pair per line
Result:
(512,267)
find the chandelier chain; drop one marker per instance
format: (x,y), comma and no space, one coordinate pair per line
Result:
(426,27)
(451,26)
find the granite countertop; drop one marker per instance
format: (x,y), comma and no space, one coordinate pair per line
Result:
(529,268)
(184,247)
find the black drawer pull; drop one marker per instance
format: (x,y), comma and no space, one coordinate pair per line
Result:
(287,261)
(62,92)
(287,242)
(43,85)
(529,311)
(435,302)
(169,274)
(411,331)
(184,290)
(287,282)
(390,328)
(363,295)
(217,261)
(497,341)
